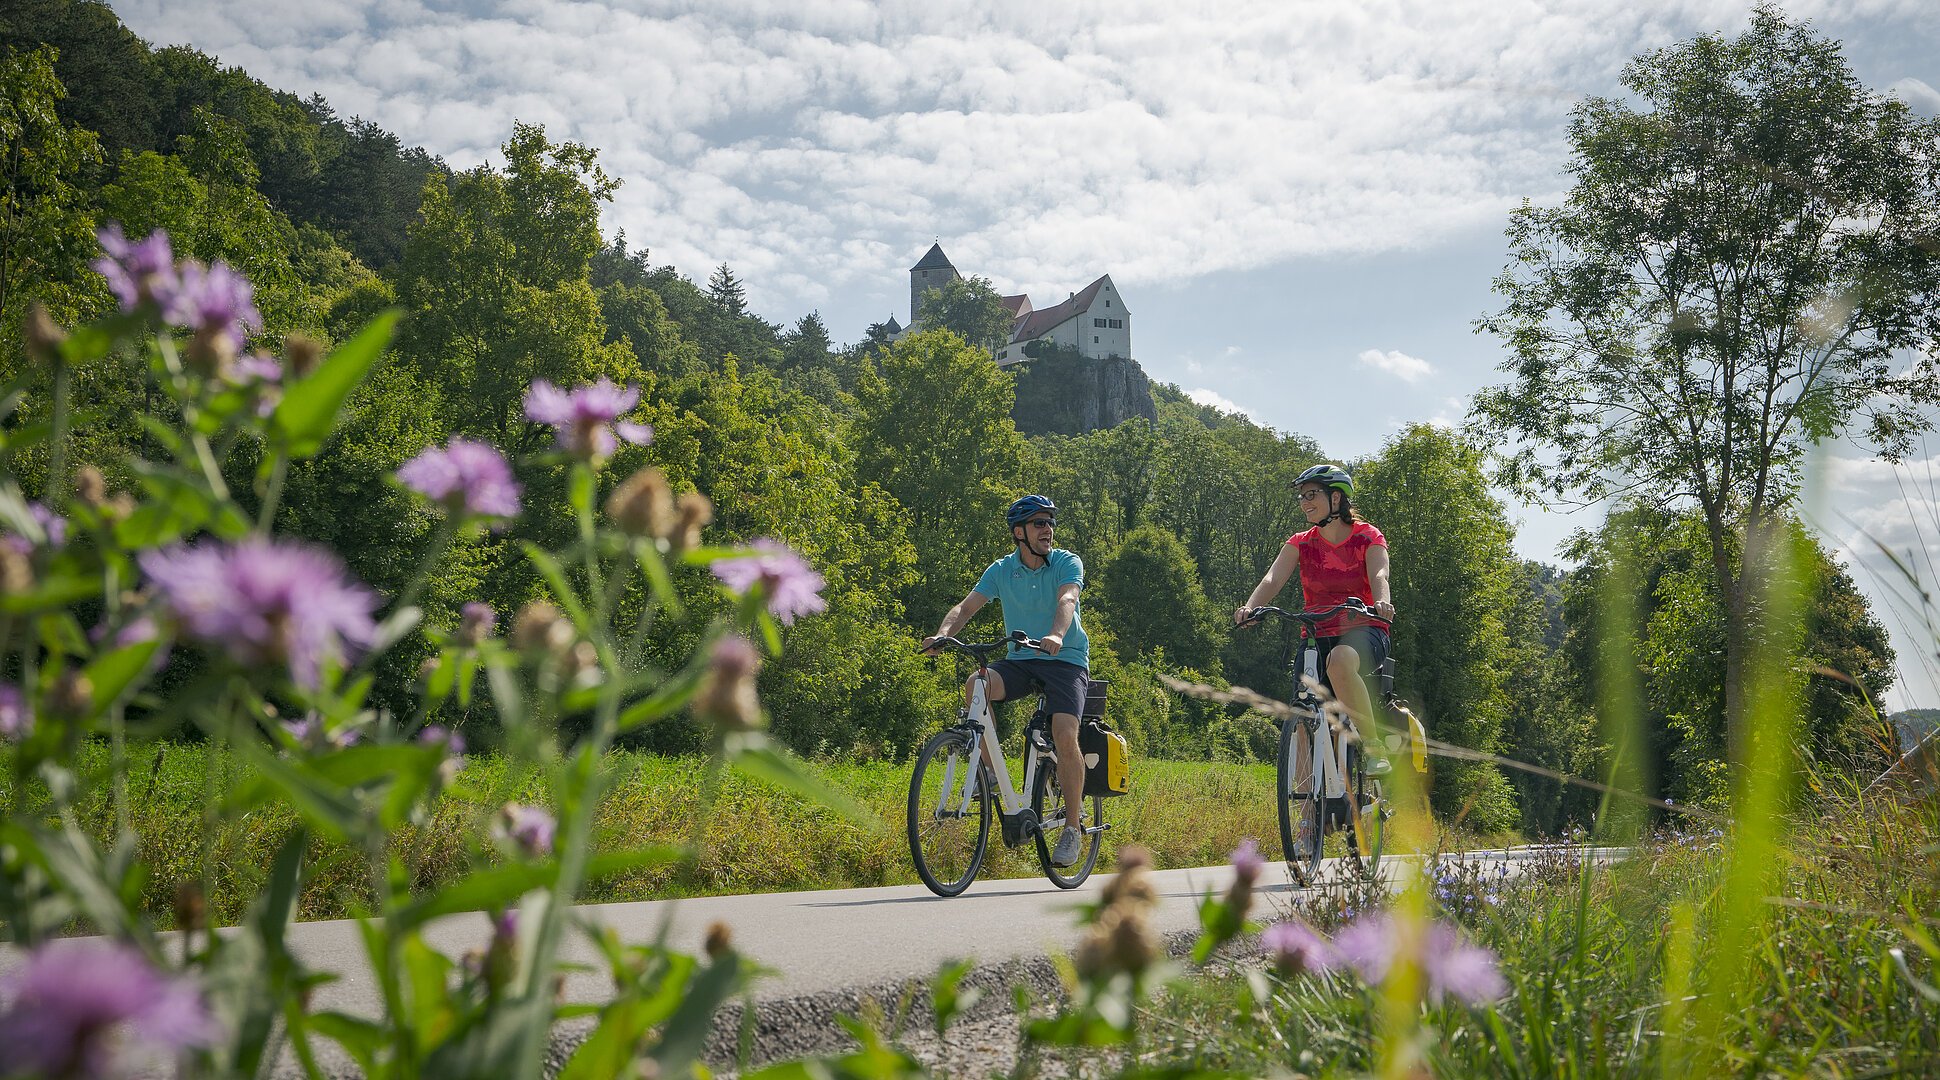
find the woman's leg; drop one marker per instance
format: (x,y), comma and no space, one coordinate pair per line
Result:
(1344,674)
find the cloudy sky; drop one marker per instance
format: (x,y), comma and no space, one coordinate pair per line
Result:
(1301,202)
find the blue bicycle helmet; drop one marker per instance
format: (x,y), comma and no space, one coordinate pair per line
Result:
(1021,510)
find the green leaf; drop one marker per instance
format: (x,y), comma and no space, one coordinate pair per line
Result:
(948,995)
(687,1029)
(481,890)
(360,1038)
(112,673)
(309,408)
(791,774)
(426,972)
(395,627)
(562,590)
(669,699)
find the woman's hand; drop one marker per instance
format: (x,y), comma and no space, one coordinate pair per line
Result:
(1384,609)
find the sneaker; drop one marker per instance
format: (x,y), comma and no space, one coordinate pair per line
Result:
(1378,766)
(1070,844)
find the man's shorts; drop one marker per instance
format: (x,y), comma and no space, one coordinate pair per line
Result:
(1369,642)
(1063,684)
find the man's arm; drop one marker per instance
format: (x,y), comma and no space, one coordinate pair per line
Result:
(1067,610)
(965,610)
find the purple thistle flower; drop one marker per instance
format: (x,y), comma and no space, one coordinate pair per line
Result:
(439,735)
(16,718)
(587,417)
(92,1009)
(1247,861)
(1295,947)
(530,827)
(467,477)
(256,368)
(791,586)
(215,299)
(266,601)
(52,524)
(303,731)
(476,622)
(138,272)
(1449,963)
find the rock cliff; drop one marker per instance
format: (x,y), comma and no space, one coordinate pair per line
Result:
(1066,394)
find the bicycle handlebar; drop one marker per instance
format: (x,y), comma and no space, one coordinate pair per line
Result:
(981,652)
(1312,619)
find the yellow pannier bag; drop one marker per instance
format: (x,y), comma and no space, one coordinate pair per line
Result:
(1108,768)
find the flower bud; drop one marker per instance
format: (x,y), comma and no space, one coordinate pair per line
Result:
(191,906)
(44,335)
(476,622)
(643,505)
(16,570)
(720,939)
(71,695)
(537,626)
(304,354)
(211,352)
(90,486)
(427,669)
(695,512)
(727,694)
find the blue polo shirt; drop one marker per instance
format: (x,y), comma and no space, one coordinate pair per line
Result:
(1030,599)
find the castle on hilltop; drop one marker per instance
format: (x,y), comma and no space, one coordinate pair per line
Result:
(1093,321)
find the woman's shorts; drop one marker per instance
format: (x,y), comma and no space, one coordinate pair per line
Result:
(1369,642)
(1063,684)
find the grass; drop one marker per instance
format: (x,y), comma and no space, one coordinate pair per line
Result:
(1611,969)
(753,838)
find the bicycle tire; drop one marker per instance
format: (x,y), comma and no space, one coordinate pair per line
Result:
(938,844)
(1303,860)
(1368,830)
(1046,800)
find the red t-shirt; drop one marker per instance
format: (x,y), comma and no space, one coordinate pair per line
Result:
(1331,573)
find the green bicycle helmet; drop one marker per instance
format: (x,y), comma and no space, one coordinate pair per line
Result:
(1332,476)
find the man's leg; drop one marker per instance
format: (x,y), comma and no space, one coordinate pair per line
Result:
(1071,767)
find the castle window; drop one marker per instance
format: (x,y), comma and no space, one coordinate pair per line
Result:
(1097,322)
(1108,303)
(1118,324)
(1094,340)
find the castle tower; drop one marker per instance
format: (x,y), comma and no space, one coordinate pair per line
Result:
(932,271)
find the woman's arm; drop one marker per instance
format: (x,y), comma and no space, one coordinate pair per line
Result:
(1285,565)
(1377,580)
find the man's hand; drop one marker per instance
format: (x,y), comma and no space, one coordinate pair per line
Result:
(1051,643)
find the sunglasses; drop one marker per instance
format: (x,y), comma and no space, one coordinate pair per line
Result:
(1049,523)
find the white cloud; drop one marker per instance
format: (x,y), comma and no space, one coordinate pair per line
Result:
(1203,396)
(1397,363)
(817,146)
(1919,96)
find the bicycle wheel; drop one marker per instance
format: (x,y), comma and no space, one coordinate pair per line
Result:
(947,838)
(1047,800)
(1368,826)
(1302,858)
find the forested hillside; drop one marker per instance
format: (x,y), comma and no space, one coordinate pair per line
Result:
(888,466)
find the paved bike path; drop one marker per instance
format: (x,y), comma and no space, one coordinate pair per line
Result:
(816,942)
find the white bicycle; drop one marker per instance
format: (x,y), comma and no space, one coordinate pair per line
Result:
(952,789)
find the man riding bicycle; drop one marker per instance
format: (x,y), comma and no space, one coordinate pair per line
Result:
(1038,585)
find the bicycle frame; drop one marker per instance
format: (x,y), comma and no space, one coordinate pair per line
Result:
(1329,777)
(1011,803)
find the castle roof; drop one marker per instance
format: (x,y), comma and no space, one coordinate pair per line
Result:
(1037,323)
(934,259)
(892,326)
(1018,306)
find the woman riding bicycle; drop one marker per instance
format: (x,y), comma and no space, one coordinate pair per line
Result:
(1338,557)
